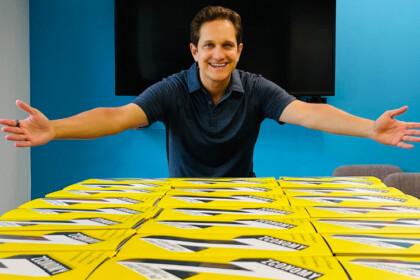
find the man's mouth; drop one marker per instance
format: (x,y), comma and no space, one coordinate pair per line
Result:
(218,65)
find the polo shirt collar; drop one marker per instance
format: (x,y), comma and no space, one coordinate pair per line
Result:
(236,83)
(194,83)
(193,80)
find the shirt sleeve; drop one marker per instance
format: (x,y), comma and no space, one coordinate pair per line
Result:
(154,100)
(273,99)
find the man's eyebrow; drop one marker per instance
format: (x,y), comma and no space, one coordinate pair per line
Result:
(227,41)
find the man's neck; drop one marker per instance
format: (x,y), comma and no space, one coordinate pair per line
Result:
(216,90)
(216,96)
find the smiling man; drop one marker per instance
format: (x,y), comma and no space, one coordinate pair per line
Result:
(212,112)
(216,49)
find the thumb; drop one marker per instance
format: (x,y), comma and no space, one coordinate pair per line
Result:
(398,111)
(25,107)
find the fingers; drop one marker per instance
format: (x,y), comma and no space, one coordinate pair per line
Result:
(413,125)
(16,137)
(412,132)
(12,129)
(21,140)
(405,145)
(410,139)
(25,107)
(398,111)
(8,122)
(22,105)
(23,144)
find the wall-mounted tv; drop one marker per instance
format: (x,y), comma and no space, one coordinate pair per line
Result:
(290,42)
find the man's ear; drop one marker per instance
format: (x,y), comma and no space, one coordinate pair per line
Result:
(194,51)
(240,47)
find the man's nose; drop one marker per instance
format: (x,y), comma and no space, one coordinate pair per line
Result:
(218,53)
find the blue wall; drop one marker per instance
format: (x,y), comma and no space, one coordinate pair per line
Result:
(72,70)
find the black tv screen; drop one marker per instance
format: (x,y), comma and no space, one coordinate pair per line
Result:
(290,42)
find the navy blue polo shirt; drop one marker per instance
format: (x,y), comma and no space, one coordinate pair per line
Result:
(208,140)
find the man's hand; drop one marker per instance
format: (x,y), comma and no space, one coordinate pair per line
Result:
(385,130)
(388,131)
(35,130)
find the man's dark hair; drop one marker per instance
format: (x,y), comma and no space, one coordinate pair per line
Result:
(211,13)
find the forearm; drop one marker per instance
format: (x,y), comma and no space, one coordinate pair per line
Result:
(327,118)
(332,120)
(385,130)
(88,125)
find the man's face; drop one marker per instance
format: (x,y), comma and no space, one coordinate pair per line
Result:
(217,52)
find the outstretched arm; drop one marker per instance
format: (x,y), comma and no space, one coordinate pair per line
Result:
(37,129)
(385,129)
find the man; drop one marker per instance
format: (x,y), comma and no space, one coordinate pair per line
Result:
(212,112)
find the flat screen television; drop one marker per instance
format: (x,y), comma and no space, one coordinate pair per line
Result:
(290,42)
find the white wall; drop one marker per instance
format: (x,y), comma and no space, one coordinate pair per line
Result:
(15,173)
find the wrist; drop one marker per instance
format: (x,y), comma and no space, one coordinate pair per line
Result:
(371,130)
(54,131)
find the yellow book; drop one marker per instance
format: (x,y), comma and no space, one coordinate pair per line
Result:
(92,203)
(246,226)
(241,190)
(70,224)
(132,193)
(374,244)
(171,266)
(291,182)
(368,225)
(237,200)
(381,211)
(352,200)
(220,213)
(45,241)
(222,182)
(50,265)
(384,268)
(111,187)
(41,213)
(339,191)
(227,244)
(156,181)
(333,178)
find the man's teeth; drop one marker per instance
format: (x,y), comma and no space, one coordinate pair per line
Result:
(218,64)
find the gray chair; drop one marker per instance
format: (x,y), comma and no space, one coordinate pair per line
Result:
(407,182)
(376,170)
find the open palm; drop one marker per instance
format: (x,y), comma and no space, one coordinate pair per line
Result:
(35,130)
(390,131)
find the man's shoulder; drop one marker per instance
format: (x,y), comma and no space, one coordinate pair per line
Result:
(245,75)
(174,84)
(180,77)
(252,82)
